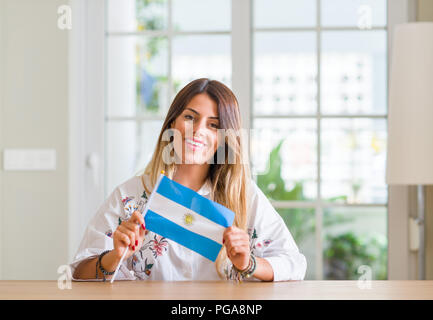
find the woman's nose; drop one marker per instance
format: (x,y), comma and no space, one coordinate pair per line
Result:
(199,125)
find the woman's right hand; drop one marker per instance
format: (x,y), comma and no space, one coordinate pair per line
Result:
(129,234)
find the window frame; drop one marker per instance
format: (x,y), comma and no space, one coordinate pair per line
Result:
(319,204)
(88,118)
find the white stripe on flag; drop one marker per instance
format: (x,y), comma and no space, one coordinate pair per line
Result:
(175,212)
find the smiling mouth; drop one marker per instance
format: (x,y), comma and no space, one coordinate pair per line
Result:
(194,144)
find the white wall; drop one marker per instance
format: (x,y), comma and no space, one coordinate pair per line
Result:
(33,114)
(425,13)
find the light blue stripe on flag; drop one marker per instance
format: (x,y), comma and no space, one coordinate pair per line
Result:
(196,202)
(166,228)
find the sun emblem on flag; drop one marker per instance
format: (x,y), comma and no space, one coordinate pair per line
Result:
(188,219)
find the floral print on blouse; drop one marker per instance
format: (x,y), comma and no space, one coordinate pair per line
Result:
(160,258)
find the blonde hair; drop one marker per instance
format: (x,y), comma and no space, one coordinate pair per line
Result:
(230,179)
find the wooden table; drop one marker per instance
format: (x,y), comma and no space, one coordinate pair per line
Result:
(156,290)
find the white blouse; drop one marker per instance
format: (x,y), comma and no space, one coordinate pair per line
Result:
(160,258)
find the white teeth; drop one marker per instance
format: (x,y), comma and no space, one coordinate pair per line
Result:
(198,144)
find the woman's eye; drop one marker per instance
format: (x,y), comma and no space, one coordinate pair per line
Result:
(189,117)
(214,125)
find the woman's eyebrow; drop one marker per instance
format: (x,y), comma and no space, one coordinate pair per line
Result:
(199,114)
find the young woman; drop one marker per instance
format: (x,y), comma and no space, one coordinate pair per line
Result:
(257,247)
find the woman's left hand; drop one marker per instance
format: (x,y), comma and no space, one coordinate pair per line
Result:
(237,243)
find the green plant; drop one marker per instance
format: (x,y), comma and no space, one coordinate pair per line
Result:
(343,253)
(146,17)
(148,85)
(301,222)
(273,185)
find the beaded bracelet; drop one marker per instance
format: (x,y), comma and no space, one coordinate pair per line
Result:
(98,264)
(248,271)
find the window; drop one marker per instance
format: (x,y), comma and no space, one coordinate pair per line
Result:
(153,49)
(319,97)
(319,108)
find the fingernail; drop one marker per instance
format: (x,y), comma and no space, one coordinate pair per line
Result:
(223,240)
(142,225)
(133,247)
(136,242)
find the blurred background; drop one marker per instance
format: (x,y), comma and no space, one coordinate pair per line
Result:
(85,86)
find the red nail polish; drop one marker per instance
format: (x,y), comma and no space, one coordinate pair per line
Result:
(223,240)
(136,242)
(133,248)
(142,225)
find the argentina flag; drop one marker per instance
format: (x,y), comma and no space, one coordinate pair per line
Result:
(186,217)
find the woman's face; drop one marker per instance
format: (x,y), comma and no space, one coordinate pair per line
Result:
(198,127)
